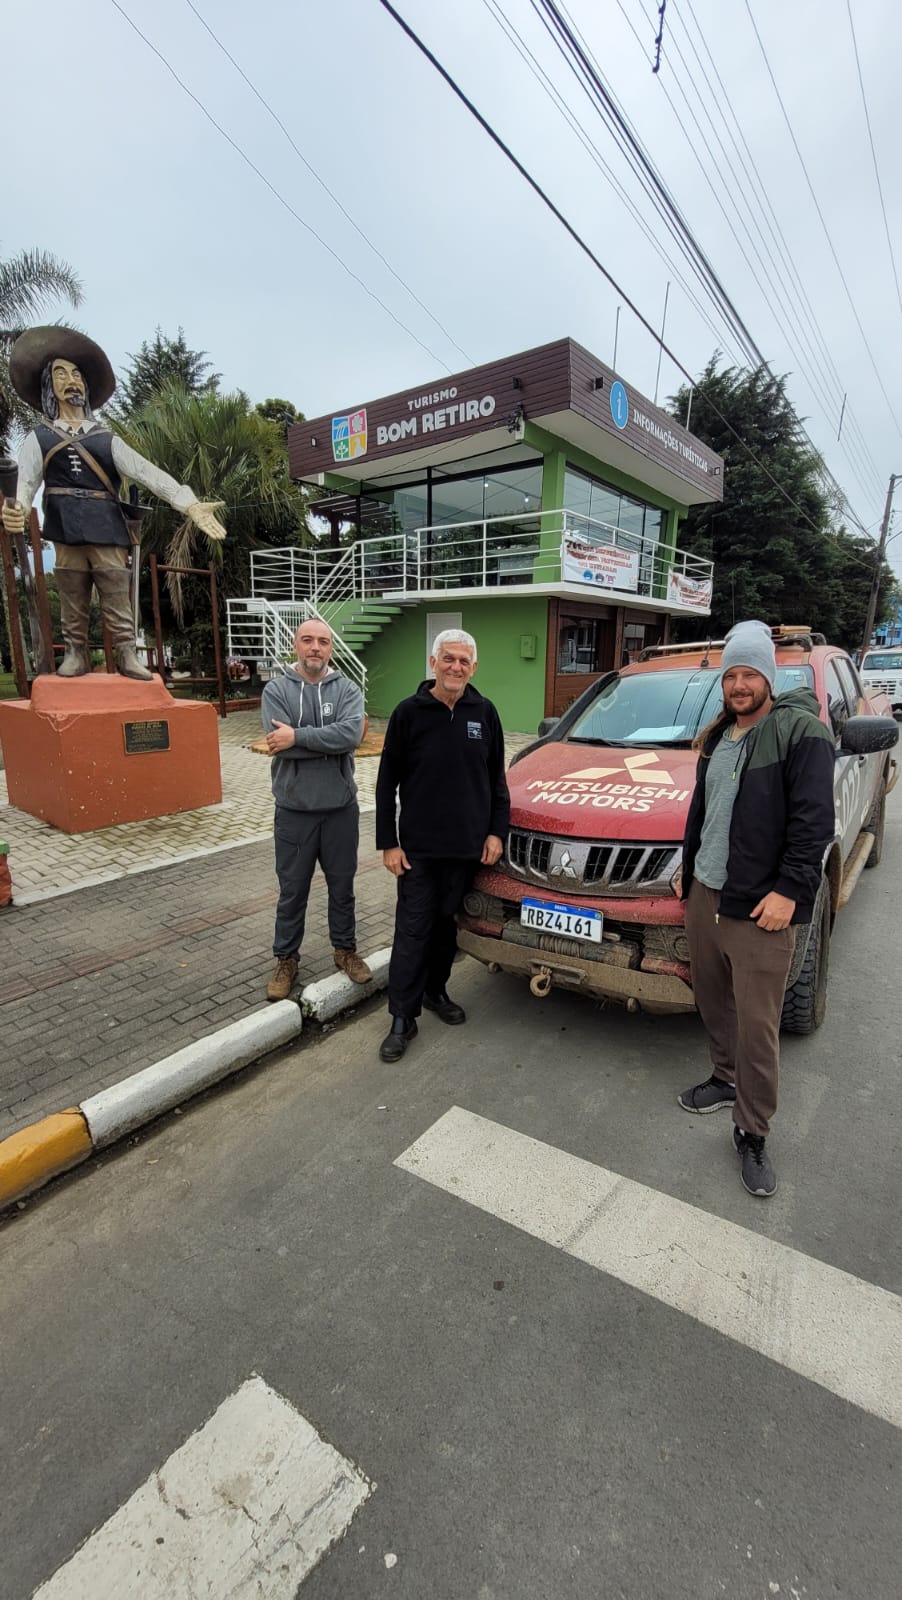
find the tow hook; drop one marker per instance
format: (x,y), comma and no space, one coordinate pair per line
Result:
(540,985)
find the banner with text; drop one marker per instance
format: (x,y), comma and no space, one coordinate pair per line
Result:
(605,566)
(693,594)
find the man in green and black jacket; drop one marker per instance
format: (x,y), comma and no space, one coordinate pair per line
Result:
(760,822)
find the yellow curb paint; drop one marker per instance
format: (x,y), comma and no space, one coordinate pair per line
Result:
(36,1154)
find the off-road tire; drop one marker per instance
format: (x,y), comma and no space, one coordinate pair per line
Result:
(876,824)
(805,1004)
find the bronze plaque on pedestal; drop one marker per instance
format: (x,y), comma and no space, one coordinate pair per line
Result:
(142,737)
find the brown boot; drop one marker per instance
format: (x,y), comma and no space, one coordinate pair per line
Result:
(114,588)
(282,981)
(348,961)
(74,589)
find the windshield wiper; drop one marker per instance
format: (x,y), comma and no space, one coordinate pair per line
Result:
(613,744)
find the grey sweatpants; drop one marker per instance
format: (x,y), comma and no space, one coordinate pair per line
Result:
(739,977)
(304,838)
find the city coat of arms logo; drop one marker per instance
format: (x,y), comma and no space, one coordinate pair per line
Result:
(349,436)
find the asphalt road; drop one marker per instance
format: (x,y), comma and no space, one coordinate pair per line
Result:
(532,1425)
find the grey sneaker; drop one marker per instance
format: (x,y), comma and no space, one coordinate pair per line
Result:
(712,1095)
(758,1176)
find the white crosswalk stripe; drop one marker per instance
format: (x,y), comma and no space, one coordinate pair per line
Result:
(241,1511)
(828,1326)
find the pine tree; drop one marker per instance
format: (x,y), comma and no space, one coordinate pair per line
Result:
(780,549)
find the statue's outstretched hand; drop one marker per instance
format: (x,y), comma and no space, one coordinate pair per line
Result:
(203,514)
(13,517)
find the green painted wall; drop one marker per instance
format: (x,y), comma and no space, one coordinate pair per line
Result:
(396,660)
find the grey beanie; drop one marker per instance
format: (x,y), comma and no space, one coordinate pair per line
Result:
(749,644)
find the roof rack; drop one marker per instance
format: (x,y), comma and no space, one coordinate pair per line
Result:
(785,636)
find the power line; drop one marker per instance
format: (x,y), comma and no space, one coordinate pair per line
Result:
(587,250)
(857,452)
(322,183)
(586,56)
(606,103)
(772,223)
(838,264)
(867,118)
(558,100)
(274,191)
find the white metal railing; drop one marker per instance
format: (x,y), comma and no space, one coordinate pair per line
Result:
(536,547)
(292,573)
(263,631)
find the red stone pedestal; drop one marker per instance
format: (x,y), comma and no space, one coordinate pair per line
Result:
(86,753)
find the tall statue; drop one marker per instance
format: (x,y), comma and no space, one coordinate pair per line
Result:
(62,374)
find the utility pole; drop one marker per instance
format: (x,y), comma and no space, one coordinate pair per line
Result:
(878,563)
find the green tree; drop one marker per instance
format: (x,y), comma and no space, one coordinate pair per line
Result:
(221,447)
(280,411)
(779,547)
(30,283)
(159,361)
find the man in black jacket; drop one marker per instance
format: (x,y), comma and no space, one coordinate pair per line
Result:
(444,756)
(760,822)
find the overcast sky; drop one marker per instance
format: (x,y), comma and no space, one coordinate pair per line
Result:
(121,173)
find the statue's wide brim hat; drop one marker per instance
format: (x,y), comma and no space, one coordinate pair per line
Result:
(34,348)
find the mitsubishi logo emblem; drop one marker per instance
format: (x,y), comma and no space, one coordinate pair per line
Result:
(565,866)
(642,768)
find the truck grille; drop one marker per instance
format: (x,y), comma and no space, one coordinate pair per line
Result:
(887,686)
(583,864)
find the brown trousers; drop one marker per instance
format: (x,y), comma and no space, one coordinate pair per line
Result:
(739,977)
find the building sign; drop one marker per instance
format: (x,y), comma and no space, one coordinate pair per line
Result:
(418,424)
(559,387)
(604,566)
(693,594)
(349,436)
(682,446)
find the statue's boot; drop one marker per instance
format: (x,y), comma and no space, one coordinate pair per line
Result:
(74,590)
(114,588)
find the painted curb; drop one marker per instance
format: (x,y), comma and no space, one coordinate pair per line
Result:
(34,1155)
(145,1095)
(325,999)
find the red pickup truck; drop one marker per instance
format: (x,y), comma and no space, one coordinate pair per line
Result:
(585,895)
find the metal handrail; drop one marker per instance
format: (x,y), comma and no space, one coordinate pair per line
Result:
(518,548)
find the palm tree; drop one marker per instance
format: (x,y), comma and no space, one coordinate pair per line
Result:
(29,283)
(220,446)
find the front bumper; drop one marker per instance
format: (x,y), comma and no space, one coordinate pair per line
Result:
(661,993)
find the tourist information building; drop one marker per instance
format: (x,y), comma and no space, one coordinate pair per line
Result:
(534,501)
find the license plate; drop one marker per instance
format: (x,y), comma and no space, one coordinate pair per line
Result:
(570,922)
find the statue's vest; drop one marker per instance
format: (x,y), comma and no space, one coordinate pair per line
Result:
(78,506)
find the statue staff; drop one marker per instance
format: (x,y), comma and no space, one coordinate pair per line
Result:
(61,374)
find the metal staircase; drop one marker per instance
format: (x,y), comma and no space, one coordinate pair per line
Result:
(287,586)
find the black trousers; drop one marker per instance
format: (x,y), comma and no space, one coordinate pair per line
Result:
(304,838)
(425,931)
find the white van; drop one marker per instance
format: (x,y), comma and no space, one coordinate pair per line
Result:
(882,670)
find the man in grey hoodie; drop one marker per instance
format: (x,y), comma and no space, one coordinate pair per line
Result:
(314,722)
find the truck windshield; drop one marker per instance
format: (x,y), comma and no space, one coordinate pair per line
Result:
(884,661)
(668,707)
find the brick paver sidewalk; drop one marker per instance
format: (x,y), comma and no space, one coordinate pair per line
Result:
(100,983)
(129,942)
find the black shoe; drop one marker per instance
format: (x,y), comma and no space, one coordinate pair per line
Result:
(758,1176)
(445,1008)
(712,1095)
(403,1029)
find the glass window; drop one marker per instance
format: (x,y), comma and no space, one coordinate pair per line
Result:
(836,698)
(664,707)
(849,680)
(577,647)
(882,661)
(612,508)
